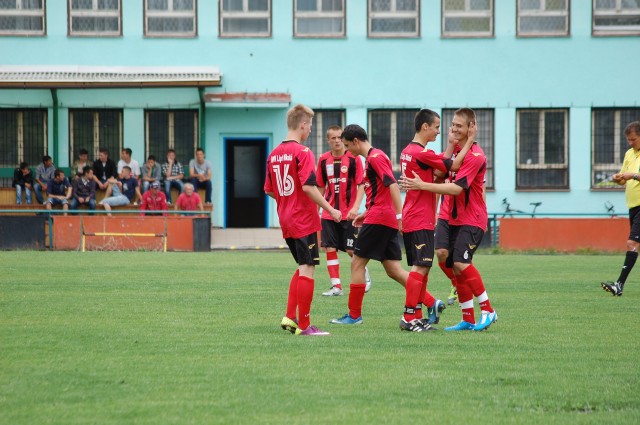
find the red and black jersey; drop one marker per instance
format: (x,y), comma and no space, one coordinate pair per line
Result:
(341,177)
(469,208)
(289,167)
(419,209)
(378,176)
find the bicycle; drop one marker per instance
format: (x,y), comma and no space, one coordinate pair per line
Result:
(510,211)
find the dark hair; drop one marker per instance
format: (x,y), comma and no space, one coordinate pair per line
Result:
(353,131)
(46,158)
(83,152)
(24,165)
(127,167)
(58,172)
(633,126)
(86,169)
(199,150)
(151,157)
(128,151)
(425,116)
(104,150)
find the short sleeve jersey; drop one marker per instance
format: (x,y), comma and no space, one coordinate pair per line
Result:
(469,208)
(341,176)
(631,164)
(289,167)
(419,209)
(378,176)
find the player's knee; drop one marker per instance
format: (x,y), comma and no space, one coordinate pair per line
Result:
(632,246)
(442,255)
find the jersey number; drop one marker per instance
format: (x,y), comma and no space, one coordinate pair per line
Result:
(286,187)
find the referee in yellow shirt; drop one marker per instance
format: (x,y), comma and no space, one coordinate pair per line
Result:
(629,176)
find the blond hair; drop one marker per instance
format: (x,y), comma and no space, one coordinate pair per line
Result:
(297,115)
(467,113)
(333,128)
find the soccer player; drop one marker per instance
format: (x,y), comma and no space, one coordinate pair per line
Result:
(381,221)
(418,214)
(291,181)
(467,224)
(628,176)
(339,175)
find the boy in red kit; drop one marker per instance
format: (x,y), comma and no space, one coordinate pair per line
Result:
(291,181)
(418,214)
(467,224)
(339,175)
(378,237)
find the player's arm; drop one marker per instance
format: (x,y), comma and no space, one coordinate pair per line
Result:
(416,183)
(314,194)
(471,138)
(353,212)
(394,191)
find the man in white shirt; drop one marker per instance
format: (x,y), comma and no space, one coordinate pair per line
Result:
(125,160)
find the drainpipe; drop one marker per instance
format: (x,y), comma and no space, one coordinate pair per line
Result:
(54,97)
(201,122)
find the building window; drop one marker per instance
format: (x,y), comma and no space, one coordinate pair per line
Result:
(485,137)
(245,18)
(467,18)
(391,130)
(22,17)
(23,136)
(609,144)
(170,18)
(99,18)
(542,149)
(616,17)
(319,18)
(394,18)
(95,129)
(171,129)
(540,18)
(322,120)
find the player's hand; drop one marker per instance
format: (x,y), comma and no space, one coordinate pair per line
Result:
(352,214)
(408,183)
(337,215)
(473,132)
(452,138)
(357,222)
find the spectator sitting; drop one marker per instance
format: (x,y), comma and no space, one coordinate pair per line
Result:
(189,200)
(121,191)
(125,160)
(23,180)
(173,174)
(80,163)
(44,175)
(153,200)
(59,191)
(200,172)
(104,168)
(151,172)
(84,189)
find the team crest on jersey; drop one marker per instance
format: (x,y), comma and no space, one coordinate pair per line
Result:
(305,150)
(343,169)
(476,154)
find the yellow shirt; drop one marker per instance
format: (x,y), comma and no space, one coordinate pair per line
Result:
(631,164)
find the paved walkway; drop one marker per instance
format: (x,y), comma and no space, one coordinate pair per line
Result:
(247,239)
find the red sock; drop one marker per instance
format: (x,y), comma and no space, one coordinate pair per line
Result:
(356,295)
(465,298)
(427,298)
(333,267)
(423,289)
(292,300)
(412,290)
(449,272)
(305,296)
(474,281)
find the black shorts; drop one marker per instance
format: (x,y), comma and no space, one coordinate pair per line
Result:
(340,236)
(442,235)
(418,246)
(378,242)
(464,240)
(634,222)
(305,250)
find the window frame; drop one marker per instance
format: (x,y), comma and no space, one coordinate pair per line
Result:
(544,13)
(467,14)
(541,146)
(318,131)
(395,146)
(18,11)
(94,12)
(95,143)
(603,31)
(245,5)
(170,13)
(161,157)
(393,14)
(20,136)
(320,14)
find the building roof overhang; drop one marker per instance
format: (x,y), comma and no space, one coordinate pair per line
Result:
(246,100)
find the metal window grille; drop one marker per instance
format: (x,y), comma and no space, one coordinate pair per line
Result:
(95,129)
(170,18)
(394,18)
(23,136)
(322,120)
(390,131)
(101,18)
(539,18)
(542,149)
(245,18)
(319,18)
(616,17)
(22,17)
(609,144)
(467,18)
(171,129)
(485,137)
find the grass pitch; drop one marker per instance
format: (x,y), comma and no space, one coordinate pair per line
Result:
(152,338)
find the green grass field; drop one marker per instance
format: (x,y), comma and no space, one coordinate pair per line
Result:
(152,338)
